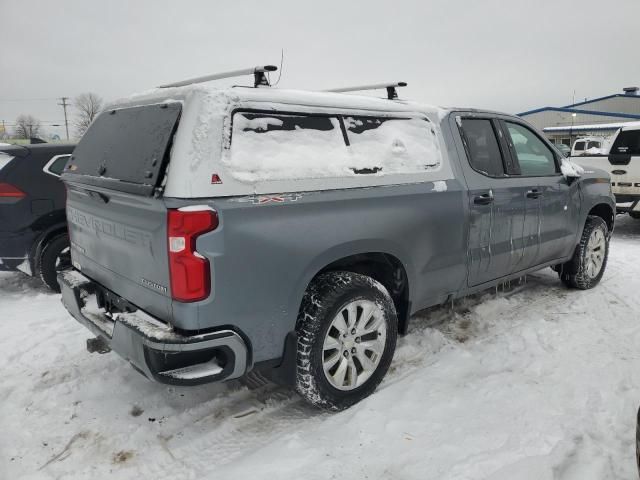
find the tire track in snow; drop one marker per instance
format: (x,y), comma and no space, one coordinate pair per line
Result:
(271,411)
(266,414)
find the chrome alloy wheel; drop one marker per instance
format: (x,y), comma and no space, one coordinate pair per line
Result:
(594,256)
(354,344)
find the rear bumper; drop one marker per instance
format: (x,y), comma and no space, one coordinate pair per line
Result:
(151,346)
(626,197)
(627,204)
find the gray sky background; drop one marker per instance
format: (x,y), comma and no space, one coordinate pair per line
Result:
(505,55)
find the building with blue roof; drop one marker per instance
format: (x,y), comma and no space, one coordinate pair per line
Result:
(599,116)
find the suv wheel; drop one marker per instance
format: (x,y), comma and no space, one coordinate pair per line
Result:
(55,257)
(589,261)
(347,330)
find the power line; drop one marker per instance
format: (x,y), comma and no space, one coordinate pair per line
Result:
(39,121)
(27,99)
(12,124)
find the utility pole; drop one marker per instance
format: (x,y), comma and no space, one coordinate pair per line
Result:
(64,105)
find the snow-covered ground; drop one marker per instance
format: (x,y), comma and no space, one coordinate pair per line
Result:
(535,382)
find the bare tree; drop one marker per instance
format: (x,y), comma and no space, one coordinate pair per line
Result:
(27,126)
(88,106)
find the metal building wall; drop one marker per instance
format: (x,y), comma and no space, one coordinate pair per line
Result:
(550,118)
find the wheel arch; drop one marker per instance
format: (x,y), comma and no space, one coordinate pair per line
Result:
(384,267)
(604,211)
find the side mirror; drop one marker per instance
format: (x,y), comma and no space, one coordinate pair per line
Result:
(571,170)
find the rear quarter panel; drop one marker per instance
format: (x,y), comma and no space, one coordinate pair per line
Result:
(266,251)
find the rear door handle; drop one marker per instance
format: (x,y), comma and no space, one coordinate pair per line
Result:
(535,193)
(484,199)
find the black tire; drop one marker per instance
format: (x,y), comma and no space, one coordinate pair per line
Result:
(54,258)
(575,273)
(326,297)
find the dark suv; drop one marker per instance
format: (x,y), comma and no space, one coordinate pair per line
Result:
(33,226)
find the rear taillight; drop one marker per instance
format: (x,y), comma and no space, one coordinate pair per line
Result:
(9,191)
(189,271)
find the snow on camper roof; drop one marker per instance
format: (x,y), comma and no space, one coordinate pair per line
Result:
(202,143)
(274,95)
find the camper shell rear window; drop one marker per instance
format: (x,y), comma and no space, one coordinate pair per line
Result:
(126,149)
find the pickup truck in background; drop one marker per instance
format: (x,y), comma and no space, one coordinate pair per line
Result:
(622,162)
(218,231)
(588,146)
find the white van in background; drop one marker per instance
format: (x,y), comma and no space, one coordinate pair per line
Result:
(622,161)
(588,146)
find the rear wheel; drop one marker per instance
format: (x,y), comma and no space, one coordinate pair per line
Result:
(347,330)
(55,257)
(589,261)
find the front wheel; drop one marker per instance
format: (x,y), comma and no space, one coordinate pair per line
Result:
(347,330)
(589,261)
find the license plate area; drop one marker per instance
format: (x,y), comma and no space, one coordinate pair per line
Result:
(113,303)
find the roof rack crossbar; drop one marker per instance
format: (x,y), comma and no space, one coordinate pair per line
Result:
(392,93)
(259,77)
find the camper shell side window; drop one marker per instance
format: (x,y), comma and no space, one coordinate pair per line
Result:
(290,145)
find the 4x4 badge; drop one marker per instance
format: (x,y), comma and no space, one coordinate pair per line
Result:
(262,199)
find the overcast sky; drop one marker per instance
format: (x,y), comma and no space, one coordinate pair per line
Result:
(505,55)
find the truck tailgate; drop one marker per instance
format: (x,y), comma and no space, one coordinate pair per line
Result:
(117,218)
(120,240)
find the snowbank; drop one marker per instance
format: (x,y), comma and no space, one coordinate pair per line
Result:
(533,383)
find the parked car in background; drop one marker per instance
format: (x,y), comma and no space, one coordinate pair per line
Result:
(587,146)
(33,226)
(622,162)
(296,232)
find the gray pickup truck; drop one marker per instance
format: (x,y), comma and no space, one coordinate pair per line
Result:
(219,231)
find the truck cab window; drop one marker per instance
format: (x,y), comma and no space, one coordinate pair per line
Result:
(534,157)
(482,146)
